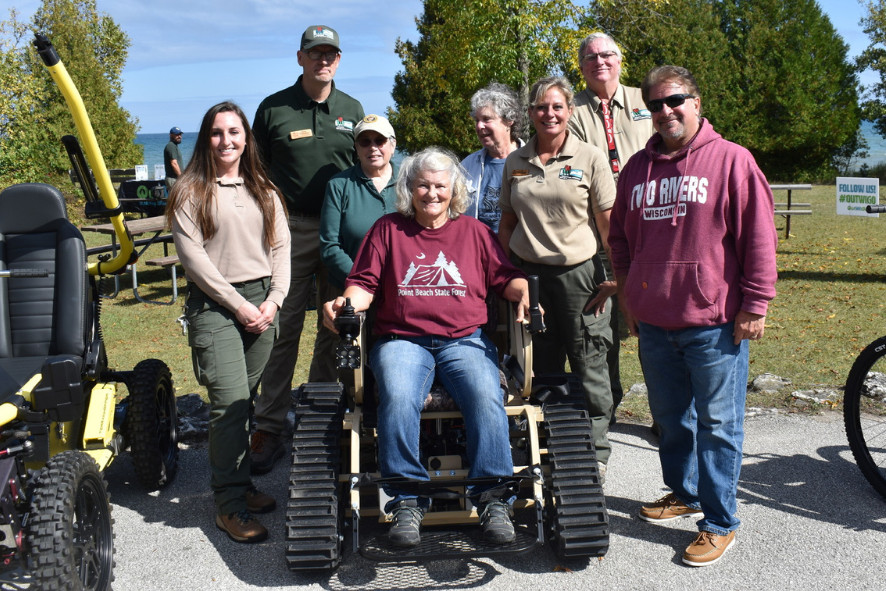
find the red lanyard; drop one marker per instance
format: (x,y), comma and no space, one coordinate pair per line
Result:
(610,136)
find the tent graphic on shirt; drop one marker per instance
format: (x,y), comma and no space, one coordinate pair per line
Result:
(441,273)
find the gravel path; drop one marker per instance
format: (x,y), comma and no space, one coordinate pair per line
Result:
(810,521)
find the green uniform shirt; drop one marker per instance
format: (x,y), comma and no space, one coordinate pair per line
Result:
(304,143)
(351,206)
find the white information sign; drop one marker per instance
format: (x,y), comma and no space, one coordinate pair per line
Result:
(159,172)
(855,194)
(141,172)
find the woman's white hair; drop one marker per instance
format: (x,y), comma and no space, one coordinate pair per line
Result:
(433,159)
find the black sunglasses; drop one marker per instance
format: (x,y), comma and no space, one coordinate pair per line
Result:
(365,142)
(673,101)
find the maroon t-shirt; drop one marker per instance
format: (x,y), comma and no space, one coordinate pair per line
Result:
(430,282)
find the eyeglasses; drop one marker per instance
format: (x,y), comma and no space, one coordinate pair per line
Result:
(316,55)
(365,142)
(673,101)
(603,55)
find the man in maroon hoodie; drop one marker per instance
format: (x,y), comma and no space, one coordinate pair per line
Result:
(693,250)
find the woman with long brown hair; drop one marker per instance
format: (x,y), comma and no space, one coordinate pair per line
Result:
(230,230)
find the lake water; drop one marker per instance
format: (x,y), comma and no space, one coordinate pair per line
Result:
(153,143)
(152,148)
(876,145)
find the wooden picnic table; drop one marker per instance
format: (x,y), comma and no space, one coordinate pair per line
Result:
(154,226)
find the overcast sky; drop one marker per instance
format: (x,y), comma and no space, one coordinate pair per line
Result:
(188,55)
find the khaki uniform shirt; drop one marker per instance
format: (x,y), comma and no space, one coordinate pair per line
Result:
(555,202)
(631,122)
(236,253)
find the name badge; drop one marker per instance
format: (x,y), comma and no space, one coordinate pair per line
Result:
(301,133)
(640,114)
(520,172)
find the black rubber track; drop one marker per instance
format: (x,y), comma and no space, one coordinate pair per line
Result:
(314,521)
(70,529)
(860,441)
(151,424)
(578,520)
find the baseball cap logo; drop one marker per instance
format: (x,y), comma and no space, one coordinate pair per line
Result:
(324,33)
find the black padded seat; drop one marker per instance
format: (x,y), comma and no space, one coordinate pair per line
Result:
(41,318)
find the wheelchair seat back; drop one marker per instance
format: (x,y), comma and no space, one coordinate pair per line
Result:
(43,320)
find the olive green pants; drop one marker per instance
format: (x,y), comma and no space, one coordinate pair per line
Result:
(229,361)
(582,338)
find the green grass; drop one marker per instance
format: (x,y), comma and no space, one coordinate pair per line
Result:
(831,294)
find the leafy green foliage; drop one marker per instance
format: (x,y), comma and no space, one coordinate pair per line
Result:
(463,47)
(34,114)
(798,100)
(874,57)
(758,64)
(759,67)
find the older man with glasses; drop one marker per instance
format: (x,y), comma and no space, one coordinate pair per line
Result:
(693,244)
(306,135)
(614,118)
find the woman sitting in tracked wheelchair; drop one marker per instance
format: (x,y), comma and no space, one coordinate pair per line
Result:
(427,271)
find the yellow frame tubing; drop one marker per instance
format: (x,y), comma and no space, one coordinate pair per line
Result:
(93,155)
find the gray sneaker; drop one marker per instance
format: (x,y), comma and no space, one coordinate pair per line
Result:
(495,519)
(404,531)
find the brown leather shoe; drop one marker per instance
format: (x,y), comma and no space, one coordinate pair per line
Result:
(242,527)
(708,548)
(259,502)
(667,508)
(264,450)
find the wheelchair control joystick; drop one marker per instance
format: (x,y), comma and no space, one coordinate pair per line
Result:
(347,353)
(536,320)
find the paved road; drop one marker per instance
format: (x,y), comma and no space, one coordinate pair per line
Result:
(810,521)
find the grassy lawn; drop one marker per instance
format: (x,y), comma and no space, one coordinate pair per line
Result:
(831,292)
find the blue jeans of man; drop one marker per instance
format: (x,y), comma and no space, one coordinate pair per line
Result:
(697,380)
(404,368)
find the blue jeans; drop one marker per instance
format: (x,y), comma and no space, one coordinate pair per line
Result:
(404,369)
(697,380)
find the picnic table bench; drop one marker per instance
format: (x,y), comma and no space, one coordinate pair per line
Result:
(790,208)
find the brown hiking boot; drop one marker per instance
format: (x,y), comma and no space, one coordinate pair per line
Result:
(264,451)
(241,527)
(259,502)
(667,508)
(708,548)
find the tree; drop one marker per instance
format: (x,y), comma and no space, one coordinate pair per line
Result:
(796,92)
(874,57)
(35,116)
(645,31)
(759,67)
(21,115)
(465,45)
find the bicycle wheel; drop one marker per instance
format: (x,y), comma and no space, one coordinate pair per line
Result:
(864,413)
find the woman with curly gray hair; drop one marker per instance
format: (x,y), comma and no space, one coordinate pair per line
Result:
(497,120)
(428,269)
